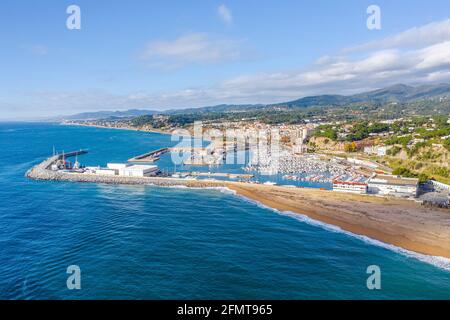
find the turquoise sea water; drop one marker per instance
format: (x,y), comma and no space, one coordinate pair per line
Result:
(145,242)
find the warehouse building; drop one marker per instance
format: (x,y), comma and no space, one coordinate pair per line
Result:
(393,185)
(138,170)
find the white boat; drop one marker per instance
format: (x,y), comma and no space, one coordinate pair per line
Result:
(269,183)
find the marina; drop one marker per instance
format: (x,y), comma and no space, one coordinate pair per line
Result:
(301,169)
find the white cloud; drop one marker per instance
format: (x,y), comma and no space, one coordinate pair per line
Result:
(428,34)
(225,14)
(417,55)
(192,48)
(391,62)
(342,75)
(435,56)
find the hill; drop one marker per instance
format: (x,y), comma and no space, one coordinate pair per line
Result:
(396,93)
(399,93)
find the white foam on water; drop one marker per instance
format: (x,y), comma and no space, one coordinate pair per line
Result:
(221,189)
(437,261)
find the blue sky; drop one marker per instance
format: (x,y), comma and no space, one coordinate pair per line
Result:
(175,54)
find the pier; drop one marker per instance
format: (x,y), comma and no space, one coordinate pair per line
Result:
(46,164)
(154,155)
(42,171)
(151,156)
(222,174)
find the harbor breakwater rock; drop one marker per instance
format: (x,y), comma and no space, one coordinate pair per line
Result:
(42,172)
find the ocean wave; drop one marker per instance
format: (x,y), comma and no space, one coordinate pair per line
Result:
(221,189)
(437,261)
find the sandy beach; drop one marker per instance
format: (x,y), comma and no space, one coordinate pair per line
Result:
(403,223)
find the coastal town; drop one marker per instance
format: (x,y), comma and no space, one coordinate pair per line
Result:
(404,157)
(377,170)
(383,207)
(225,159)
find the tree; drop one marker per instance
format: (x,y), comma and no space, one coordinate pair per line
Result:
(350,147)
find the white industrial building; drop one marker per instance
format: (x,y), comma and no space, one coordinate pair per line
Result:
(138,170)
(105,172)
(124,169)
(117,166)
(393,185)
(350,186)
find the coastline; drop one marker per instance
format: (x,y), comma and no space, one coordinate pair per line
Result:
(116,128)
(401,223)
(129,129)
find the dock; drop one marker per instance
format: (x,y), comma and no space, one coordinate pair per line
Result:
(48,162)
(154,155)
(42,171)
(151,156)
(222,174)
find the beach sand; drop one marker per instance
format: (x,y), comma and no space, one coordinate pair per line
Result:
(403,223)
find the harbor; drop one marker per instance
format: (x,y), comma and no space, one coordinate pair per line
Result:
(396,221)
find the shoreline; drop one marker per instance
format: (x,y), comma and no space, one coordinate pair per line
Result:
(132,129)
(393,231)
(115,128)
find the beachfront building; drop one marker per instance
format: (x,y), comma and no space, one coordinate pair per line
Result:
(393,185)
(350,186)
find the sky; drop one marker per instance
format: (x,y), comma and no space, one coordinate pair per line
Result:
(161,55)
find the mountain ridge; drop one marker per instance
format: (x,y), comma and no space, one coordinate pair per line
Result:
(400,93)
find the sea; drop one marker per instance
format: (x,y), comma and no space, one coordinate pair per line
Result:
(148,242)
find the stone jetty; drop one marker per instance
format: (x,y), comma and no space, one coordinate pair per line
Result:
(42,172)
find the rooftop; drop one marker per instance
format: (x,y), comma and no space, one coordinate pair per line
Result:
(394,180)
(142,167)
(352,183)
